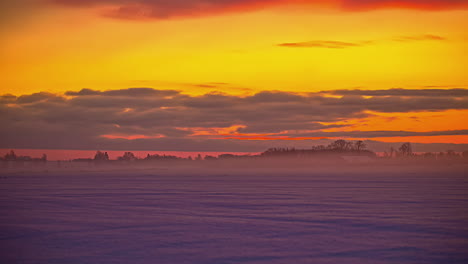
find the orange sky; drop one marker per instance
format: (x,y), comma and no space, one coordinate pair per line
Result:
(241,49)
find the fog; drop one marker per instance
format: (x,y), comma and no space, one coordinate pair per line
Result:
(235,165)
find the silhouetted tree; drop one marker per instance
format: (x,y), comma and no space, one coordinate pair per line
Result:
(319,147)
(161,157)
(441,155)
(101,156)
(11,155)
(392,152)
(360,145)
(339,145)
(208,157)
(406,150)
(128,156)
(226,156)
(451,154)
(429,155)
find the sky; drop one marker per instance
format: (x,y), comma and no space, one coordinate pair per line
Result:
(231,75)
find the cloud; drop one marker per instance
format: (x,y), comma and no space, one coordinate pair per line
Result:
(380,134)
(132,92)
(332,44)
(163,9)
(37,97)
(17,11)
(7,98)
(145,118)
(360,5)
(457,92)
(419,38)
(322,44)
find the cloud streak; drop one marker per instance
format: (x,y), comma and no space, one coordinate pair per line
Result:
(427,37)
(163,9)
(333,44)
(322,44)
(383,134)
(457,92)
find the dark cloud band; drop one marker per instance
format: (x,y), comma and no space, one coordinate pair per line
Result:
(81,119)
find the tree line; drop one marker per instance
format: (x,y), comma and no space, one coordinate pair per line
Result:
(337,148)
(11,156)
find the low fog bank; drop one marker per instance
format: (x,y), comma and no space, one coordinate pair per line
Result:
(270,166)
(340,156)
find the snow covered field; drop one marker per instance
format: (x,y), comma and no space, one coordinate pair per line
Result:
(397,216)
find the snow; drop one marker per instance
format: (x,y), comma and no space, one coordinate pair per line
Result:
(396,216)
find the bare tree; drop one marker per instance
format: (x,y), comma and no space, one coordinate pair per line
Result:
(406,150)
(129,156)
(465,154)
(392,152)
(349,146)
(11,155)
(338,145)
(451,154)
(101,156)
(360,145)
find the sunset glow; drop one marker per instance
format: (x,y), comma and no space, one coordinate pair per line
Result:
(205,56)
(234,131)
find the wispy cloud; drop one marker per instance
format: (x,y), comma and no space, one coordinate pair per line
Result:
(383,134)
(323,44)
(456,92)
(334,44)
(163,9)
(419,38)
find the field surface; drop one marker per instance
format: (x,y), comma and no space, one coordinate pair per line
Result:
(397,216)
